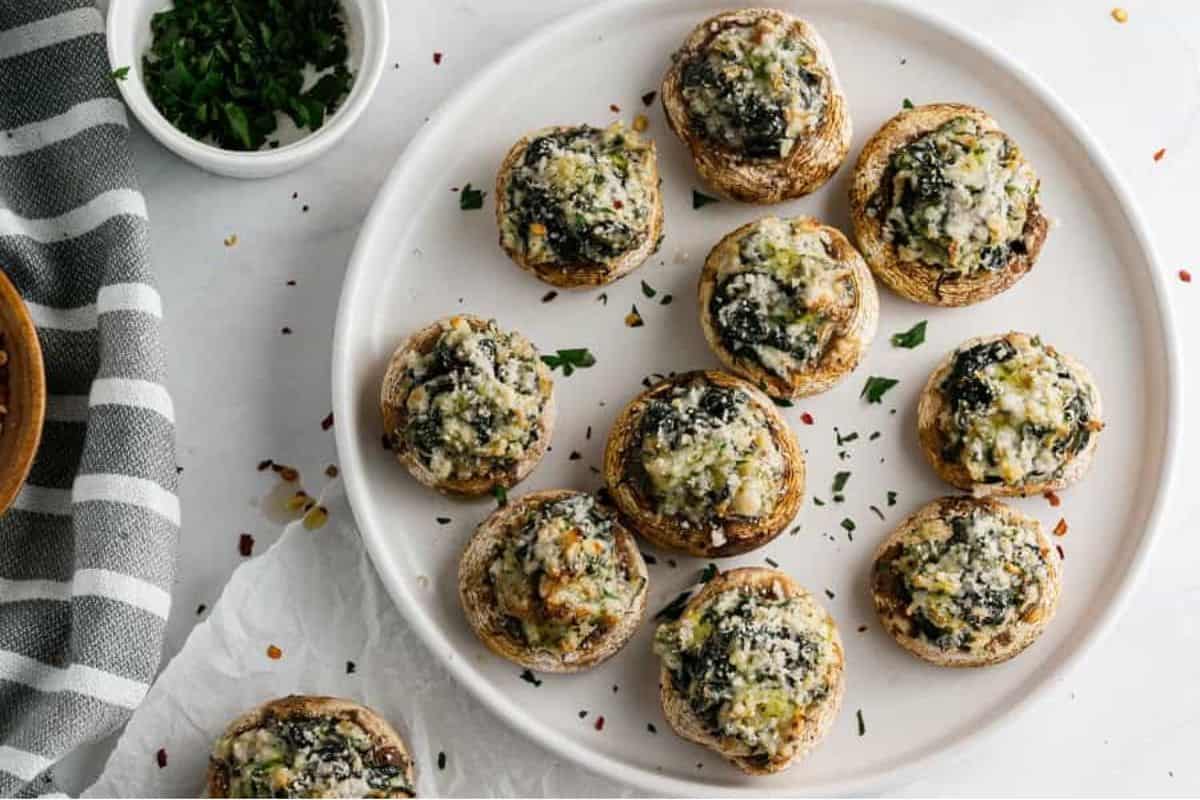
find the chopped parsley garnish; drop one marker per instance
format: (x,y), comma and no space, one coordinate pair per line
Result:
(891,498)
(673,609)
(603,298)
(350,667)
(848,524)
(878,513)
(829,593)
(648,98)
(443,520)
(666,299)
(862,726)
(782,402)
(876,387)
(649,559)
(222,71)
(874,436)
(818,501)
(570,360)
(910,338)
(708,573)
(849,437)
(634,318)
(648,290)
(501,495)
(650,727)
(771,561)
(907,103)
(548,296)
(530,678)
(700,199)
(470,199)
(574,456)
(442,759)
(120,73)
(839,481)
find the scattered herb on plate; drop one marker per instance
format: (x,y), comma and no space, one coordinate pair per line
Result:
(223,71)
(848,524)
(470,199)
(907,103)
(862,726)
(700,199)
(891,498)
(569,360)
(876,387)
(530,678)
(648,290)
(708,573)
(673,609)
(501,495)
(120,73)
(839,481)
(912,337)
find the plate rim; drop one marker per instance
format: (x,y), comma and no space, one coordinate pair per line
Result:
(345,400)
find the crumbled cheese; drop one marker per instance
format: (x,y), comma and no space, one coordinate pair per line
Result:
(780,298)
(751,664)
(561,577)
(583,194)
(756,89)
(970,577)
(706,452)
(474,401)
(310,757)
(958,198)
(1015,412)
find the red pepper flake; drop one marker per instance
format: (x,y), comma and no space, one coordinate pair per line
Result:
(1185,276)
(618,204)
(1061,554)
(274,653)
(161,757)
(245,545)
(1158,154)
(806,418)
(327,423)
(616,109)
(1061,528)
(1055,500)
(599,723)
(437,57)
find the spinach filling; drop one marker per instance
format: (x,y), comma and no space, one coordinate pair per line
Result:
(311,757)
(749,664)
(705,452)
(581,195)
(993,425)
(957,198)
(754,90)
(475,402)
(561,579)
(960,591)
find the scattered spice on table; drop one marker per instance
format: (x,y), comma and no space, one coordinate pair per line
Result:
(246,545)
(231,240)
(1054,500)
(437,57)
(878,513)
(548,296)
(588,435)
(161,757)
(634,319)
(1185,276)
(327,423)
(613,107)
(223,72)
(599,723)
(862,628)
(351,667)
(891,498)
(274,653)
(648,98)
(1159,153)
(286,331)
(771,562)
(582,713)
(650,727)
(569,360)
(331,471)
(829,593)
(1061,528)
(530,678)
(443,520)
(200,609)
(574,456)
(862,726)
(839,481)
(906,103)
(666,299)
(806,418)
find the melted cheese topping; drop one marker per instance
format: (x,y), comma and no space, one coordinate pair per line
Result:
(781,299)
(474,401)
(1015,412)
(706,452)
(752,664)
(971,577)
(755,89)
(957,198)
(310,757)
(583,194)
(561,577)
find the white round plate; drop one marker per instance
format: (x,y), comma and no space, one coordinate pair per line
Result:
(1096,293)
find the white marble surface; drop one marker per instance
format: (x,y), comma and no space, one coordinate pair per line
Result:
(1126,722)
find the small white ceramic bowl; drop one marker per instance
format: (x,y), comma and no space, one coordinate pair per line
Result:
(367,37)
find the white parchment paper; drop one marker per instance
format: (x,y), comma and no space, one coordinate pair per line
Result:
(316,597)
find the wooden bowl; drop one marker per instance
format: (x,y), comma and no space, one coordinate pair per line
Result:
(22,392)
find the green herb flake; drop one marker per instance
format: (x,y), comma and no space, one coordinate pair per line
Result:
(708,573)
(672,610)
(876,387)
(818,501)
(120,73)
(224,72)
(700,200)
(648,290)
(839,481)
(782,402)
(501,495)
(848,524)
(891,498)
(666,299)
(470,199)
(570,360)
(530,678)
(771,561)
(862,726)
(441,759)
(878,513)
(602,298)
(913,337)
(874,436)
(907,103)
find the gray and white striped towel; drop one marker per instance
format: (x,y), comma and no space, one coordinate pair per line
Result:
(87,552)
